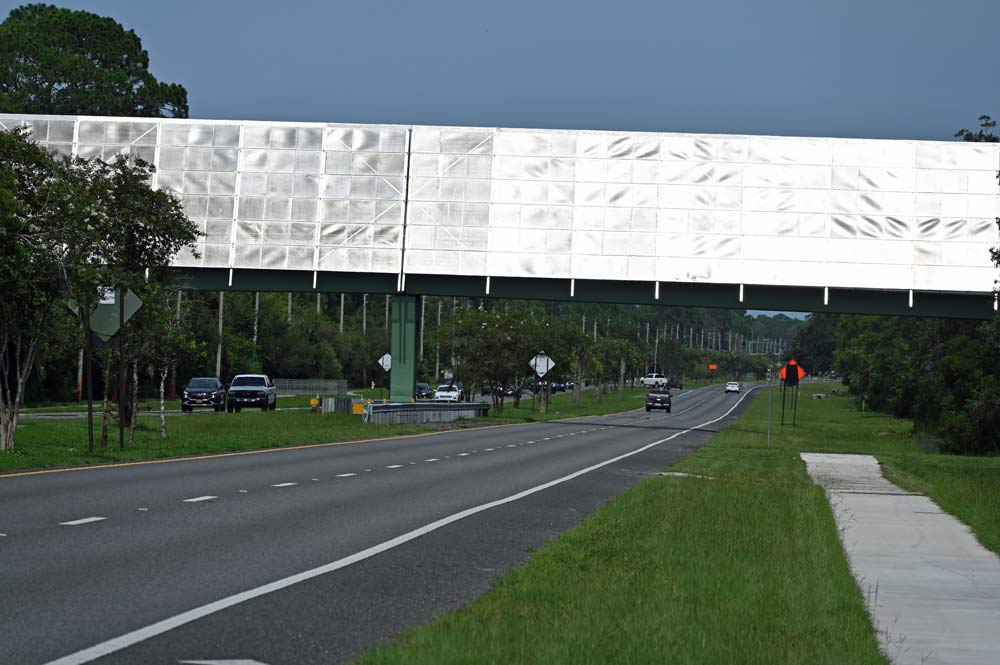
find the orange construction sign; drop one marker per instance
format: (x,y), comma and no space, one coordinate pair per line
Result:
(713,367)
(794,366)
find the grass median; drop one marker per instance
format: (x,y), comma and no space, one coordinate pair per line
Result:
(745,567)
(48,443)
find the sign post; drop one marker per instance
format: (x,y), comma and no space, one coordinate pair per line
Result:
(114,307)
(541,363)
(790,375)
(385,362)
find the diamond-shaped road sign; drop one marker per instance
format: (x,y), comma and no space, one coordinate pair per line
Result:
(385,361)
(104,318)
(541,364)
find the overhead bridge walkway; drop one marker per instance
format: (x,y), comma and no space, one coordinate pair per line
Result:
(811,224)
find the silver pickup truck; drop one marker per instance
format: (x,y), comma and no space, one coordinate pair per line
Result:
(252,390)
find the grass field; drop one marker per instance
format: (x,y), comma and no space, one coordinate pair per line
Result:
(284,401)
(46,443)
(744,568)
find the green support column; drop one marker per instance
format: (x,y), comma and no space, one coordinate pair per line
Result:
(404,350)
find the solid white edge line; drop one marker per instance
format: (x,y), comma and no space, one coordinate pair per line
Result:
(85,520)
(142,634)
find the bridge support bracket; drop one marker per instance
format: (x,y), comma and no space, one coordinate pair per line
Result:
(404,348)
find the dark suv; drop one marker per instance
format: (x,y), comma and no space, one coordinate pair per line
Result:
(658,398)
(204,391)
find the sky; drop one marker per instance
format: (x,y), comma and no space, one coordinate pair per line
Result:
(917,69)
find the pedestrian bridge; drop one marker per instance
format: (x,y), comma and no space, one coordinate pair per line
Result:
(762,222)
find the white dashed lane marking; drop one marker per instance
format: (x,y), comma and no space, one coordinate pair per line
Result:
(394,466)
(197,499)
(284,484)
(433,459)
(489,449)
(85,520)
(463,454)
(345,475)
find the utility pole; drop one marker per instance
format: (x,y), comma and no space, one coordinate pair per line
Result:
(256,314)
(289,306)
(364,314)
(423,308)
(317,303)
(656,350)
(583,326)
(387,315)
(595,330)
(437,352)
(341,312)
(218,351)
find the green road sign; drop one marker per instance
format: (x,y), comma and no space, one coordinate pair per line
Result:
(104,318)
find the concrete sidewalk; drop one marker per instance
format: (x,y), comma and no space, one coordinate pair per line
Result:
(933,591)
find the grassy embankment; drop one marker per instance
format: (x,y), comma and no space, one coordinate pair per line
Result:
(745,568)
(153,404)
(47,443)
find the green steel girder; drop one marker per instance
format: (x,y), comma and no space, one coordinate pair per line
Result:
(671,294)
(404,348)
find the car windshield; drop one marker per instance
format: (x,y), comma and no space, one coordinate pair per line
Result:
(423,386)
(659,392)
(249,381)
(447,388)
(202,383)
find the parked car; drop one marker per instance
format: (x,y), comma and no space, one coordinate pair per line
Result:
(204,391)
(558,388)
(423,391)
(447,393)
(658,398)
(733,387)
(252,390)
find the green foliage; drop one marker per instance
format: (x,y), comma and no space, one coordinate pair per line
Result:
(984,134)
(69,226)
(61,61)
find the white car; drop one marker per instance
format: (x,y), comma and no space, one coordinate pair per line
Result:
(733,387)
(651,380)
(447,393)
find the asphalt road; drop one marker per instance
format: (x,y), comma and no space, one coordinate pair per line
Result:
(309,555)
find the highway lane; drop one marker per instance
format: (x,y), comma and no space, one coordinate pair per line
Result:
(177,536)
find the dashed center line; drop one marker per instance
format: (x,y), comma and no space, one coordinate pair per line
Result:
(509,445)
(85,520)
(345,475)
(463,454)
(433,459)
(394,466)
(488,449)
(284,484)
(200,498)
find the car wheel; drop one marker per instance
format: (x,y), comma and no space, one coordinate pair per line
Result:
(668,409)
(238,409)
(274,406)
(229,407)
(648,409)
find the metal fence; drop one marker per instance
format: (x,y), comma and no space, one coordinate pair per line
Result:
(423,412)
(311,386)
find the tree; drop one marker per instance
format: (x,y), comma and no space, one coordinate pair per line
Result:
(67,227)
(983,135)
(49,220)
(61,61)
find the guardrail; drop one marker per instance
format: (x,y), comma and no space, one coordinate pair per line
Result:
(311,386)
(406,413)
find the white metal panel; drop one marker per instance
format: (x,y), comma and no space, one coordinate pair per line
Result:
(568,204)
